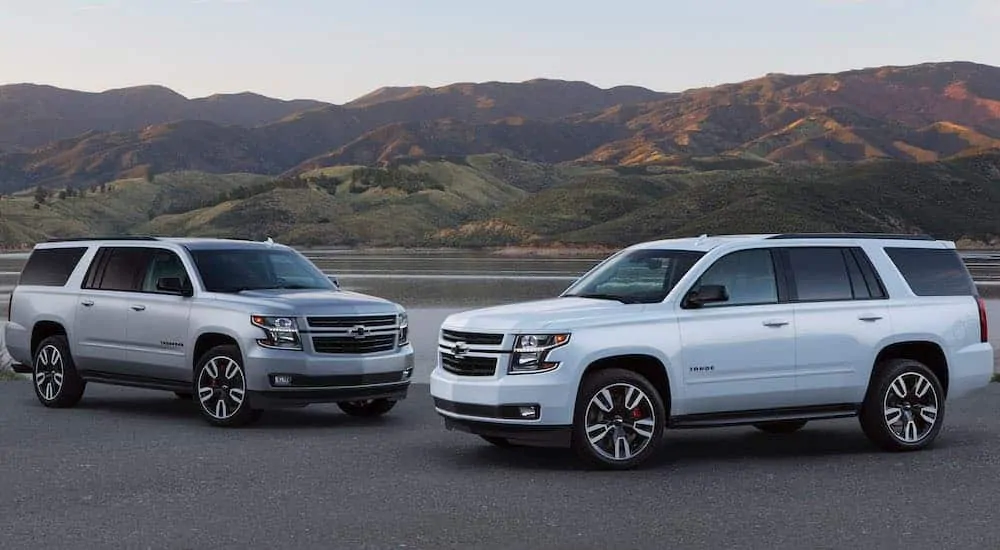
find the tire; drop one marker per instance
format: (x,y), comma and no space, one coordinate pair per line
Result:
(367,408)
(53,374)
(904,407)
(781,426)
(219,377)
(624,428)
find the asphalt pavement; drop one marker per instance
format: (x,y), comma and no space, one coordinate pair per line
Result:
(138,469)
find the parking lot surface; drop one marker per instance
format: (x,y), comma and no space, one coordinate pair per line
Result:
(138,469)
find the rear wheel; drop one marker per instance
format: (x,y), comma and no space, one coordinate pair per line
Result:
(904,407)
(367,407)
(781,426)
(221,388)
(619,419)
(56,382)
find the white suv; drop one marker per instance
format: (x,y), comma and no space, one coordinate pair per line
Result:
(767,330)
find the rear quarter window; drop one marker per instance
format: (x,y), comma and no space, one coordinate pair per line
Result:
(50,266)
(933,271)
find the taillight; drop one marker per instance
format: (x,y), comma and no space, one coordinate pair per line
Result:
(984,332)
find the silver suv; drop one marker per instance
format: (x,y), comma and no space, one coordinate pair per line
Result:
(773,331)
(241,326)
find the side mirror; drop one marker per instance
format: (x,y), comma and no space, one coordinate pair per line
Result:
(334,280)
(706,294)
(172,285)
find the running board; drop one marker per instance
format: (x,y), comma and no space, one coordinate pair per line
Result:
(741,418)
(144,382)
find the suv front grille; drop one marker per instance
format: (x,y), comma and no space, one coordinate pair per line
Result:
(370,322)
(349,344)
(472,338)
(469,366)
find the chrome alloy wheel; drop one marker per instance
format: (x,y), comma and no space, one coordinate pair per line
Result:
(910,407)
(49,372)
(221,387)
(619,421)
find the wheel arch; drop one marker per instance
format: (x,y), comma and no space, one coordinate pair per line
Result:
(648,365)
(930,353)
(44,328)
(210,338)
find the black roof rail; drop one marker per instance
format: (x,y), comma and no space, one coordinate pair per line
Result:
(882,236)
(116,238)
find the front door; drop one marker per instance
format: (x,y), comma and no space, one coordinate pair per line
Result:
(739,355)
(157,330)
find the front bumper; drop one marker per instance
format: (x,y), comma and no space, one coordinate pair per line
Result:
(540,435)
(278,378)
(495,406)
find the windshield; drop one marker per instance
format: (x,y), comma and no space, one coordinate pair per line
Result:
(236,270)
(641,276)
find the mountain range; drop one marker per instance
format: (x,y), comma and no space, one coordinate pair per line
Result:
(466,163)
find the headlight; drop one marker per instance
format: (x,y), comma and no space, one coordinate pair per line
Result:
(279,332)
(531,352)
(404,329)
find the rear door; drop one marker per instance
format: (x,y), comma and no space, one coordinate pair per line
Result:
(102,309)
(841,319)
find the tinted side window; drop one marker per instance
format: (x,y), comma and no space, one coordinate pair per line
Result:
(162,264)
(50,266)
(933,271)
(123,269)
(820,274)
(748,276)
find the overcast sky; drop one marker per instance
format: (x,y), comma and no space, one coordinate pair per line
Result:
(336,50)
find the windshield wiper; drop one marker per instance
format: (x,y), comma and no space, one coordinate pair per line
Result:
(598,296)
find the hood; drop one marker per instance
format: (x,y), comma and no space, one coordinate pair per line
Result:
(310,302)
(556,313)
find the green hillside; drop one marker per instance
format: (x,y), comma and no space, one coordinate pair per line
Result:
(490,200)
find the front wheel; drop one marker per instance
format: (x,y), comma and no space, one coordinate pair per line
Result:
(56,382)
(220,385)
(619,419)
(904,407)
(367,408)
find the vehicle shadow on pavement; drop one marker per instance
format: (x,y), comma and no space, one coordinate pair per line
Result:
(176,409)
(679,449)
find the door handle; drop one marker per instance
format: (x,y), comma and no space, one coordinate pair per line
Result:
(869,317)
(138,307)
(775,323)
(87,303)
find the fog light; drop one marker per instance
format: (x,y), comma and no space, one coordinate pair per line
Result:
(407,373)
(528,412)
(281,380)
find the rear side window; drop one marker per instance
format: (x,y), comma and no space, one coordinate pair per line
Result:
(832,273)
(820,274)
(51,266)
(119,269)
(933,271)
